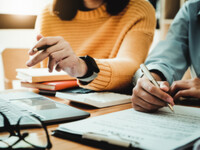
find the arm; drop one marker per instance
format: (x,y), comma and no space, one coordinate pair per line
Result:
(170,55)
(170,58)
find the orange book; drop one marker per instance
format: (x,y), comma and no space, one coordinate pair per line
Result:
(52,85)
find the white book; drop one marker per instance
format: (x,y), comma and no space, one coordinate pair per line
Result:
(96,99)
(41,75)
(163,130)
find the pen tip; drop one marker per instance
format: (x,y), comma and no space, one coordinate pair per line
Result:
(171,108)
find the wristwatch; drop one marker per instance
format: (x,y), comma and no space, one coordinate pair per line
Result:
(92,71)
(138,74)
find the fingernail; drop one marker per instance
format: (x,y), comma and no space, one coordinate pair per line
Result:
(28,63)
(170,100)
(50,70)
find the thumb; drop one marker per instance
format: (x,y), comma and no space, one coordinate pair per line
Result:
(39,36)
(164,86)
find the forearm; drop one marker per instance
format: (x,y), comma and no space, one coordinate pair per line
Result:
(116,73)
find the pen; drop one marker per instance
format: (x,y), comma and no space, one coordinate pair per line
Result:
(41,48)
(152,80)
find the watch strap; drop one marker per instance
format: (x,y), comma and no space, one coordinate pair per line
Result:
(138,74)
(90,78)
(92,71)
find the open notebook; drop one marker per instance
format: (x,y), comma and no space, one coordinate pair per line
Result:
(163,130)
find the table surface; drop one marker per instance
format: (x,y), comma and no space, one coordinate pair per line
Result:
(59,143)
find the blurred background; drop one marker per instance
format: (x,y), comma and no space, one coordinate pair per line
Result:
(17,20)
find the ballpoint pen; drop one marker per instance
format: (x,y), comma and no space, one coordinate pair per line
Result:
(41,48)
(152,80)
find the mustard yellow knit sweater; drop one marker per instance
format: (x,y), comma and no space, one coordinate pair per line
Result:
(119,43)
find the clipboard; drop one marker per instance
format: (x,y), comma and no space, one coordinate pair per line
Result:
(129,129)
(94,140)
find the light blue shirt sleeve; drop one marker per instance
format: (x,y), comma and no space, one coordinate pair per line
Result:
(171,56)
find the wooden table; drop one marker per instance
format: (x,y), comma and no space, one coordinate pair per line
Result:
(59,144)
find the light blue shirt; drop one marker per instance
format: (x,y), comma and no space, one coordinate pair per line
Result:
(181,48)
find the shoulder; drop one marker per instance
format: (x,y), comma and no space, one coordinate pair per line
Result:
(190,9)
(139,8)
(47,11)
(47,14)
(192,4)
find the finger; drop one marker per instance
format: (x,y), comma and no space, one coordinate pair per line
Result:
(51,63)
(164,86)
(58,68)
(151,99)
(36,59)
(69,65)
(146,105)
(157,92)
(138,108)
(185,93)
(55,57)
(179,85)
(137,105)
(48,52)
(39,36)
(45,41)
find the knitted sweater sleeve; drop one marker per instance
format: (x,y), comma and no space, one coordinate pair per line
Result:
(116,73)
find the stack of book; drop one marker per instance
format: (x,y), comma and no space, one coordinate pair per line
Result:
(46,82)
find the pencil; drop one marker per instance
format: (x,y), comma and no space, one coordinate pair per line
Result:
(152,80)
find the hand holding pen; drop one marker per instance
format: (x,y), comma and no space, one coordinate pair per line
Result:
(149,98)
(61,56)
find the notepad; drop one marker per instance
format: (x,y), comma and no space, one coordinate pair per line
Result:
(163,130)
(96,99)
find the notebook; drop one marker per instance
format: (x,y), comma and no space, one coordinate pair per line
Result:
(96,99)
(41,75)
(163,130)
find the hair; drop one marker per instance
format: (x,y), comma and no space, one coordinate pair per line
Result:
(67,9)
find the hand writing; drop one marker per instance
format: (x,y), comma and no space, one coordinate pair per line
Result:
(148,98)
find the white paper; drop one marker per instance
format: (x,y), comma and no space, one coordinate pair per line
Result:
(155,131)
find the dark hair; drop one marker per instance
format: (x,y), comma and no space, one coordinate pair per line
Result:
(67,9)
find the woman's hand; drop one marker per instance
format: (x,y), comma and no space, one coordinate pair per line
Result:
(60,55)
(148,98)
(186,88)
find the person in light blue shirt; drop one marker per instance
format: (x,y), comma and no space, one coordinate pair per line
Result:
(169,61)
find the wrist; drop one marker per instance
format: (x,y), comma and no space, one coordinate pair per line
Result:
(156,76)
(83,68)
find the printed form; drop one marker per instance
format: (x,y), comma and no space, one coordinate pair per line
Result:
(162,130)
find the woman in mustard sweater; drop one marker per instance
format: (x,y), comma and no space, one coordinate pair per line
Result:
(116,34)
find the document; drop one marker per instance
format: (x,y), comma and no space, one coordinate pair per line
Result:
(153,131)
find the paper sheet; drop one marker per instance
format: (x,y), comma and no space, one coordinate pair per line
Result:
(162,130)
